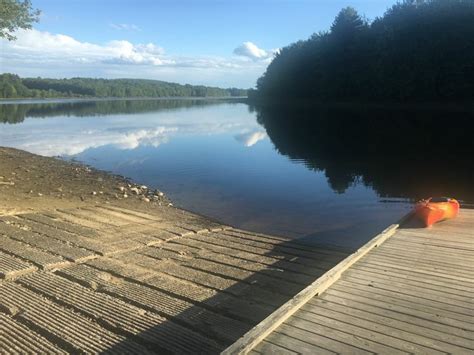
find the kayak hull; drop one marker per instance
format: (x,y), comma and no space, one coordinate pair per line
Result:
(430,213)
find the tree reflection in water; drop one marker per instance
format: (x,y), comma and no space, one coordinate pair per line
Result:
(399,152)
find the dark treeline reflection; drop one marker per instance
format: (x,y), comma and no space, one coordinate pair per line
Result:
(398,152)
(16,113)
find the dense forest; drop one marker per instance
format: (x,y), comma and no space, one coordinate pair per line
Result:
(419,50)
(12,86)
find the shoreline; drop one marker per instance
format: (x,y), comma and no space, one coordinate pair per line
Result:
(138,98)
(30,182)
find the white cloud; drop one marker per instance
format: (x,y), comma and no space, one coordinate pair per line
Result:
(39,53)
(59,47)
(250,50)
(124,27)
(251,138)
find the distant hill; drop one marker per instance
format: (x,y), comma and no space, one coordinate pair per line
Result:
(419,50)
(12,86)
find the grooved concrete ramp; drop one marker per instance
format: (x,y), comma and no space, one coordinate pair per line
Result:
(112,279)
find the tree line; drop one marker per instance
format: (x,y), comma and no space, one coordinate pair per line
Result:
(419,50)
(12,86)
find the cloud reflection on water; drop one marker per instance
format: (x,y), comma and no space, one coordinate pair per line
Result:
(250,138)
(67,135)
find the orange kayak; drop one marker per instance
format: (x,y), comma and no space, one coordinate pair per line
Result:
(434,210)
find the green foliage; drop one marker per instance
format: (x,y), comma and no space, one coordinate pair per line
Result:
(16,14)
(419,50)
(12,86)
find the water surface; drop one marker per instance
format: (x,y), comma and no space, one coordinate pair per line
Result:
(331,176)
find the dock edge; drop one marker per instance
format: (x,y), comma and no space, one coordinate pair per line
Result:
(259,332)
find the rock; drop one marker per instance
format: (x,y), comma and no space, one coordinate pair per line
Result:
(94,193)
(135,190)
(121,188)
(125,195)
(143,187)
(40,194)
(161,194)
(146,199)
(7,183)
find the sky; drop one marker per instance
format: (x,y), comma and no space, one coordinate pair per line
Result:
(225,43)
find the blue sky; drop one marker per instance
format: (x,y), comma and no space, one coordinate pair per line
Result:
(213,42)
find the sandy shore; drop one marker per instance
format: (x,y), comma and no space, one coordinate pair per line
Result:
(29,182)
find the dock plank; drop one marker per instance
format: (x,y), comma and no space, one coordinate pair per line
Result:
(413,292)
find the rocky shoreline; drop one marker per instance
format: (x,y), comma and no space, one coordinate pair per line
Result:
(29,182)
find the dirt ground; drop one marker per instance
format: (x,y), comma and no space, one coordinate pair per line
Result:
(30,182)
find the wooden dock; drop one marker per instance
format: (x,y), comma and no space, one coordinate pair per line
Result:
(409,290)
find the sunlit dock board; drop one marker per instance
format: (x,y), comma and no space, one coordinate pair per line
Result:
(106,278)
(410,290)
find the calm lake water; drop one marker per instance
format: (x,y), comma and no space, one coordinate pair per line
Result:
(331,176)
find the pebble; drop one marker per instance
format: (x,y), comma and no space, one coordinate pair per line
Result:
(125,195)
(145,199)
(94,193)
(40,194)
(135,190)
(121,188)
(143,187)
